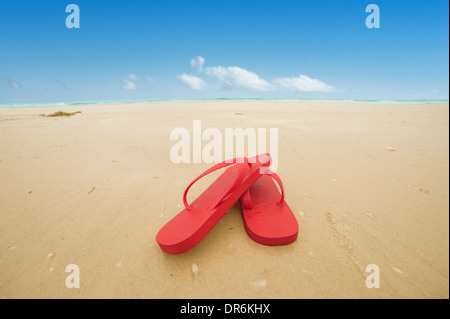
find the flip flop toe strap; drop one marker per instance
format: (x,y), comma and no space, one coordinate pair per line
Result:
(246,199)
(243,167)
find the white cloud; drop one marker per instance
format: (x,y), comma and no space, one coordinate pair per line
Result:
(236,77)
(133,82)
(6,82)
(15,85)
(194,82)
(133,77)
(129,85)
(197,63)
(434,91)
(302,83)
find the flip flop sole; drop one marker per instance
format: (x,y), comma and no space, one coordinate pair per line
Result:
(189,227)
(268,222)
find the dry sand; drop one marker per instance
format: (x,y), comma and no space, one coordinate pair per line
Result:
(368,185)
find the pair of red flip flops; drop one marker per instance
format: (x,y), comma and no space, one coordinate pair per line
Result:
(267,218)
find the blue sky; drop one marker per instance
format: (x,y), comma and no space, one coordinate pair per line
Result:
(138,49)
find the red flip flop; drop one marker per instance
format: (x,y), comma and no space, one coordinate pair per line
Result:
(191,225)
(267,217)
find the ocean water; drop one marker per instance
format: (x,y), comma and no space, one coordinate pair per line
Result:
(81,103)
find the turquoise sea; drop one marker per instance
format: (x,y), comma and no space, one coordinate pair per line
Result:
(81,103)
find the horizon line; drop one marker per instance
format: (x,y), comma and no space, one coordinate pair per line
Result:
(132,101)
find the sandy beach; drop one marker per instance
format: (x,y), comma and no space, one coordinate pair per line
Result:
(368,184)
